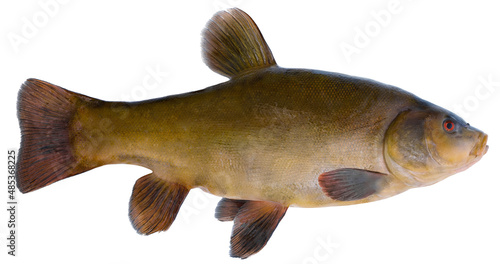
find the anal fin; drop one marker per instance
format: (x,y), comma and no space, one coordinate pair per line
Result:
(155,203)
(253,226)
(351,184)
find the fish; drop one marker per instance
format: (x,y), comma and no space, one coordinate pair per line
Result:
(267,139)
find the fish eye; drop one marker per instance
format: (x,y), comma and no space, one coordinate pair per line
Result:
(449,125)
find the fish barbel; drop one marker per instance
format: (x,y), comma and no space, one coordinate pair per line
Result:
(267,139)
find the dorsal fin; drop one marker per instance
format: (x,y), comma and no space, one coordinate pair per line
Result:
(232,43)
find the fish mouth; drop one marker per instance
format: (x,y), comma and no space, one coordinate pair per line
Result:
(480,148)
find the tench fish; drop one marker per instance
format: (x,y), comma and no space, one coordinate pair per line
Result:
(267,139)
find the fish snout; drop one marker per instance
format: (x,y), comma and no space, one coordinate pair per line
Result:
(481,146)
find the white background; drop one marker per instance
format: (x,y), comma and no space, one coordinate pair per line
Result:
(439,50)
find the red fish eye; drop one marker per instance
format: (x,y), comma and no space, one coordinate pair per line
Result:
(448,126)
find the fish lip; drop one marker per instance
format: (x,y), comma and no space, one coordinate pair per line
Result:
(481,147)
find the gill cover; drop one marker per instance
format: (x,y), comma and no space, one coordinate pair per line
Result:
(423,147)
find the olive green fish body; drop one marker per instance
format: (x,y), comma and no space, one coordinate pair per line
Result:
(264,136)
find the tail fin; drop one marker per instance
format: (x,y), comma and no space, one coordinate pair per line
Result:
(45,112)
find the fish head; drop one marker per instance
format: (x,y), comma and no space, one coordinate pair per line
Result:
(425,146)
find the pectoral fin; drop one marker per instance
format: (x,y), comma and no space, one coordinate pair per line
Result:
(155,203)
(254,223)
(351,184)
